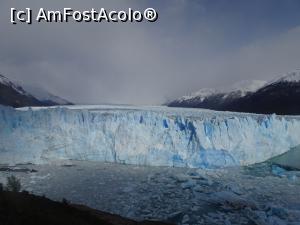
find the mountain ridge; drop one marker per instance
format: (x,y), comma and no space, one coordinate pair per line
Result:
(16,95)
(279,96)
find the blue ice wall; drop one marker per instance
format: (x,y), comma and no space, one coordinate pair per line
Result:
(143,136)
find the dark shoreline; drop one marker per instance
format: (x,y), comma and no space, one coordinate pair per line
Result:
(23,208)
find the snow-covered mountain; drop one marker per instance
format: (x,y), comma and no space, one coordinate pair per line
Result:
(281,96)
(6,82)
(239,89)
(13,94)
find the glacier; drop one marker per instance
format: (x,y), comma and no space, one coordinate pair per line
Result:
(144,135)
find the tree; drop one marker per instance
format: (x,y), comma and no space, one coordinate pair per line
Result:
(13,184)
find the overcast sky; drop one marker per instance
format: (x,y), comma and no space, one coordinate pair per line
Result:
(193,44)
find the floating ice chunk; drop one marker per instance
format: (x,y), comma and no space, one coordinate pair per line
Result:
(281,172)
(277,170)
(229,199)
(185,219)
(189,184)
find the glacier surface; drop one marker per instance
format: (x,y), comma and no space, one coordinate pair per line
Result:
(156,136)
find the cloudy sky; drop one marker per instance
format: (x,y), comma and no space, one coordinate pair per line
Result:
(193,44)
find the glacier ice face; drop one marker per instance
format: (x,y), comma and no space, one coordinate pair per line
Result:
(156,136)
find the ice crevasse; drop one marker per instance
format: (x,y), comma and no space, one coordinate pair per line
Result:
(155,136)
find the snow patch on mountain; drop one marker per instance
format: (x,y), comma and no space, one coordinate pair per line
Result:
(239,89)
(246,86)
(293,76)
(5,81)
(202,94)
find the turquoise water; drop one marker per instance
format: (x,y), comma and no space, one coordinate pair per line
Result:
(290,159)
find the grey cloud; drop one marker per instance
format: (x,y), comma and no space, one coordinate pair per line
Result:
(142,63)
